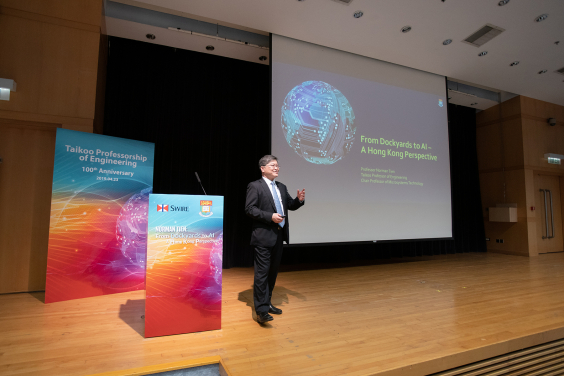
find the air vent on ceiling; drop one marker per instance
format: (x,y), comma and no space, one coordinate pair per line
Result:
(484,35)
(346,2)
(561,70)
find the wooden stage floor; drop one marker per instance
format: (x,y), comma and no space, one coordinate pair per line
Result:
(410,318)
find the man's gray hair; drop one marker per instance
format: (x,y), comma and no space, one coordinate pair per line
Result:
(266,160)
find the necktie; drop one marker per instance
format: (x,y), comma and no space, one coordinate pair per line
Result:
(277,203)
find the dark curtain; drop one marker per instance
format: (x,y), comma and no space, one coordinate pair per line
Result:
(211,115)
(467,218)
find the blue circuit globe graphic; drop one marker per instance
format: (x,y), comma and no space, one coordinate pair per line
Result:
(318,122)
(131,228)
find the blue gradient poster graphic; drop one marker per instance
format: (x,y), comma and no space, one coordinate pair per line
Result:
(98,226)
(184,264)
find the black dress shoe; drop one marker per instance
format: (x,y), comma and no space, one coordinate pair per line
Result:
(263,317)
(273,309)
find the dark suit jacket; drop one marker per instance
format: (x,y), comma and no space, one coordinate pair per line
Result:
(260,207)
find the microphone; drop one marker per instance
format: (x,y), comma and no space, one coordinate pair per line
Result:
(199,181)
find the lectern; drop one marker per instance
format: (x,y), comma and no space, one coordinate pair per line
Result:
(184,264)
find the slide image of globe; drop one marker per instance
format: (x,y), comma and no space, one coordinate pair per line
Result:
(318,122)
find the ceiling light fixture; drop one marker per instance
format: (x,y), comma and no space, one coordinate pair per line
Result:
(210,48)
(557,42)
(473,104)
(483,53)
(502,2)
(446,42)
(514,64)
(543,71)
(150,36)
(358,14)
(406,29)
(542,17)
(263,58)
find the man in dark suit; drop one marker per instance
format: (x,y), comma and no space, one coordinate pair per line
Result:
(268,202)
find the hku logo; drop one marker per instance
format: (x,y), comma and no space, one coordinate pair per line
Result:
(205,208)
(162,208)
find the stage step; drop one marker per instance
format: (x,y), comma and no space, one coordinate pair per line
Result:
(209,366)
(541,360)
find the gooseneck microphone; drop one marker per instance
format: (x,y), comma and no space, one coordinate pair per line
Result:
(199,181)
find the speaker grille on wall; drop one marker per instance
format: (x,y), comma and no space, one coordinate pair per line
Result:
(484,35)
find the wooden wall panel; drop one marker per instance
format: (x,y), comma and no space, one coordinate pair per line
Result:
(488,116)
(488,141)
(50,48)
(499,142)
(491,188)
(532,239)
(562,199)
(508,109)
(26,176)
(538,137)
(499,137)
(541,109)
(512,143)
(83,11)
(515,187)
(54,66)
(511,107)
(526,138)
(530,196)
(514,235)
(101,85)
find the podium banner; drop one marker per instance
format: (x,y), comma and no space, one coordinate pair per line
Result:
(98,227)
(184,264)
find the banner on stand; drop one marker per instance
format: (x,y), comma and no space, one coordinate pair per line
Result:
(98,228)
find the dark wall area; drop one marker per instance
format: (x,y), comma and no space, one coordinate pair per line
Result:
(212,115)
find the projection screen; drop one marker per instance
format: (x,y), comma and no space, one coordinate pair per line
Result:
(367,139)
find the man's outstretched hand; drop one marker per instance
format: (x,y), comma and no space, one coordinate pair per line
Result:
(301,195)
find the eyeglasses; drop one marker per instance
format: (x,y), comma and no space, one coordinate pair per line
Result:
(274,166)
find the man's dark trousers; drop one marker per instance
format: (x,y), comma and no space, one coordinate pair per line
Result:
(267,261)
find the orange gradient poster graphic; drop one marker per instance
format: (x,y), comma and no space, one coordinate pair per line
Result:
(98,225)
(184,264)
